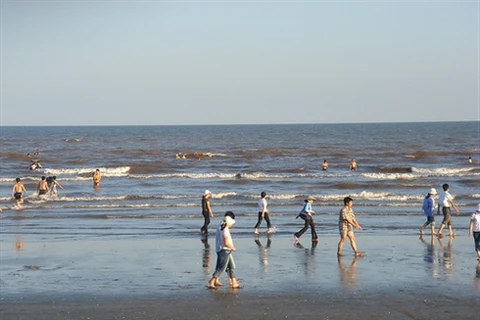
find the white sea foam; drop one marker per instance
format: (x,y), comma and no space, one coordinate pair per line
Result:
(107,172)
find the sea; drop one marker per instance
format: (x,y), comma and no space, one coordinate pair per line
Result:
(153,177)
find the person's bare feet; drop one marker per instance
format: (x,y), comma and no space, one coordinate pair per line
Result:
(421,231)
(339,254)
(359,253)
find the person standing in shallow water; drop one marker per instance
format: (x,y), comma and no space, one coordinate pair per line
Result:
(96,178)
(474,230)
(206,211)
(428,209)
(306,215)
(263,213)
(346,223)
(224,248)
(18,191)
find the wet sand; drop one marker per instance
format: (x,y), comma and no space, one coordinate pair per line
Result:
(400,277)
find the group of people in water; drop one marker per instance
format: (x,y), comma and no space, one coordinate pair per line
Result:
(46,187)
(347,222)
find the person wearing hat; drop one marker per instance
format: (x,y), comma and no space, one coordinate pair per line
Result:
(224,248)
(206,211)
(346,223)
(428,209)
(306,214)
(474,230)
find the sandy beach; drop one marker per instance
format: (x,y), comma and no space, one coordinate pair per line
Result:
(400,277)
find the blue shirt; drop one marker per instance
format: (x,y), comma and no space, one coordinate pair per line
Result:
(428,206)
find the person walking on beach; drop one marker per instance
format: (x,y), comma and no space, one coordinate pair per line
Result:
(428,209)
(346,223)
(474,230)
(263,214)
(53,188)
(445,202)
(42,187)
(353,165)
(96,178)
(224,248)
(306,214)
(206,211)
(18,191)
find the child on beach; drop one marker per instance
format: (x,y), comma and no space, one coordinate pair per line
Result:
(428,209)
(306,214)
(263,214)
(474,230)
(224,247)
(346,223)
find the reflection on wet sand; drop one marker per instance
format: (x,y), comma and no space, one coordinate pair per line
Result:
(206,256)
(263,251)
(18,241)
(429,255)
(309,259)
(447,261)
(348,273)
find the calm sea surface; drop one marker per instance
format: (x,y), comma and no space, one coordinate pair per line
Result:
(146,192)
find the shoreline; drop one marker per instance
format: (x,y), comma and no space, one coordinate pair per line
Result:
(400,277)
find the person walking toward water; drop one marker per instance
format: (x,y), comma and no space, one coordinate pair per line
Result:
(96,178)
(42,187)
(306,214)
(428,209)
(206,211)
(346,223)
(53,188)
(474,230)
(224,248)
(445,202)
(18,191)
(263,214)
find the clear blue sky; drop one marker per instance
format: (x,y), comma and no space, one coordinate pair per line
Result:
(238,62)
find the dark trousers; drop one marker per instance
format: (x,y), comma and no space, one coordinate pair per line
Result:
(206,216)
(476,240)
(308,223)
(267,219)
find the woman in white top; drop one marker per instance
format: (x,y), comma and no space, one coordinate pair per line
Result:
(474,229)
(224,247)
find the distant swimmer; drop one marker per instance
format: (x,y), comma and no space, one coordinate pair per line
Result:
(324,165)
(353,165)
(18,191)
(470,160)
(33,165)
(96,178)
(42,187)
(53,186)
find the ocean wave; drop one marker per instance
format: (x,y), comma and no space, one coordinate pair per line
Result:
(106,172)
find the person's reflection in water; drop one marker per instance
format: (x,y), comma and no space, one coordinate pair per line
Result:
(477,277)
(206,260)
(263,251)
(309,258)
(429,256)
(447,256)
(18,241)
(348,273)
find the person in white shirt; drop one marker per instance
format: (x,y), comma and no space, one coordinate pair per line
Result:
(474,230)
(224,247)
(445,202)
(263,214)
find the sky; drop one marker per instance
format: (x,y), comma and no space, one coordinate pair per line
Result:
(238,62)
